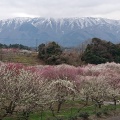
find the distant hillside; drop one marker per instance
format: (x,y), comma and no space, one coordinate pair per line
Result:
(65,31)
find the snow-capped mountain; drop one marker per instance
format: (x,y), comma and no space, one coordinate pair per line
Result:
(65,31)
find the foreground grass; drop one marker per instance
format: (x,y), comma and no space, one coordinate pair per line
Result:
(68,112)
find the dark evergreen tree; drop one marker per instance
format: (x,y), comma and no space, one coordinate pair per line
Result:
(50,53)
(100,51)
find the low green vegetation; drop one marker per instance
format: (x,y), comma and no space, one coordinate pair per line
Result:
(26,59)
(30,59)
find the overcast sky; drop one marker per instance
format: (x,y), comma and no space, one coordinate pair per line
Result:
(60,8)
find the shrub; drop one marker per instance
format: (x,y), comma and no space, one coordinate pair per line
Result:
(73,118)
(84,115)
(105,111)
(98,114)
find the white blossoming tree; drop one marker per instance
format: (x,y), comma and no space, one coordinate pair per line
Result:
(60,91)
(21,90)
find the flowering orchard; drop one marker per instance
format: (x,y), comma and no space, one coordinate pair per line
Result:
(25,89)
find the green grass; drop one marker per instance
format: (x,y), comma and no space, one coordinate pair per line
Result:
(69,109)
(67,113)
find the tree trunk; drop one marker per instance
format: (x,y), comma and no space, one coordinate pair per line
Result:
(59,106)
(26,115)
(86,101)
(99,105)
(8,110)
(52,110)
(115,103)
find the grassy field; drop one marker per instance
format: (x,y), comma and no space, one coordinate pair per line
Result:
(26,59)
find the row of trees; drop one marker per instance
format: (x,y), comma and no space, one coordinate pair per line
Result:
(28,89)
(19,46)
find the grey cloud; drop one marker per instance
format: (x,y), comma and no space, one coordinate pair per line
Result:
(59,8)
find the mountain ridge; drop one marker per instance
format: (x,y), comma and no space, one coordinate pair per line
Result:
(65,31)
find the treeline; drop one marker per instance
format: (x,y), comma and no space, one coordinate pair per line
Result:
(14,46)
(96,52)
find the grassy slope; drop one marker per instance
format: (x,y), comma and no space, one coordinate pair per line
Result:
(27,59)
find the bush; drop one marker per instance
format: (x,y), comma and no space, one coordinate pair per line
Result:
(98,114)
(73,118)
(105,111)
(84,115)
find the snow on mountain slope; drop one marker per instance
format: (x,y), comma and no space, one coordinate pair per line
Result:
(65,31)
